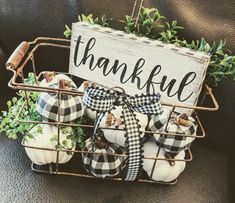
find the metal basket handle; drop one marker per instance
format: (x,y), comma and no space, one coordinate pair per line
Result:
(17,56)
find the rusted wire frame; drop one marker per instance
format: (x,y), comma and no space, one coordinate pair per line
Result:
(21,86)
(107,128)
(93,177)
(188,151)
(34,69)
(58,131)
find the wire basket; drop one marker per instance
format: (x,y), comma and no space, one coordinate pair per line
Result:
(23,58)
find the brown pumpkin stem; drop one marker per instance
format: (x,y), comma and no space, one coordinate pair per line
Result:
(48,76)
(184,116)
(93,84)
(109,119)
(118,122)
(85,84)
(101,144)
(183,120)
(169,155)
(64,84)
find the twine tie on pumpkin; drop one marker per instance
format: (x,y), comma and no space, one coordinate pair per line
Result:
(103,101)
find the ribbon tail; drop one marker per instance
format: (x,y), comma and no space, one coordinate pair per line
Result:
(97,123)
(133,144)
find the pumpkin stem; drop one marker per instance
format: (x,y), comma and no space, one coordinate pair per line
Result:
(87,83)
(64,84)
(169,155)
(183,120)
(49,76)
(109,119)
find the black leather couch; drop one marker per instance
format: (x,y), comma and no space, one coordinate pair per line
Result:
(208,178)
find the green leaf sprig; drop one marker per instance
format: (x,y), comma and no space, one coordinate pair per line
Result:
(103,21)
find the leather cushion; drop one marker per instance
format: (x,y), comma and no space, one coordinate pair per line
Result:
(204,180)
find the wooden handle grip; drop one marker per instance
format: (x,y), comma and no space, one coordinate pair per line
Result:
(17,55)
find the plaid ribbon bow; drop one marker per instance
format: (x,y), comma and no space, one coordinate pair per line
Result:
(102,101)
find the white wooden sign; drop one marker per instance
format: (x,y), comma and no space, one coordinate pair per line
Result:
(138,64)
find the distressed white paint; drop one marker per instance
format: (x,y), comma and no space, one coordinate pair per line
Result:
(176,62)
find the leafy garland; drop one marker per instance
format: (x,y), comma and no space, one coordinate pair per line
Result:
(153,25)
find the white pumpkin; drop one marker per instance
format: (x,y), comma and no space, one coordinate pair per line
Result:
(163,171)
(43,139)
(116,136)
(56,80)
(87,112)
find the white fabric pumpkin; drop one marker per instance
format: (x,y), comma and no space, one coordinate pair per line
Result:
(163,171)
(56,80)
(43,140)
(116,136)
(87,112)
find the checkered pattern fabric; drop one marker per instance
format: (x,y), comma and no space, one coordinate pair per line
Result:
(173,143)
(100,164)
(102,101)
(133,145)
(158,122)
(70,107)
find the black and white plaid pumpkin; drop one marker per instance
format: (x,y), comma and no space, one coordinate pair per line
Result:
(173,143)
(102,165)
(71,107)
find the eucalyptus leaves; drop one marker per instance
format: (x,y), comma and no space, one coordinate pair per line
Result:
(153,25)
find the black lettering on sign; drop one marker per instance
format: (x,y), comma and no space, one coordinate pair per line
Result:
(116,67)
(186,81)
(89,46)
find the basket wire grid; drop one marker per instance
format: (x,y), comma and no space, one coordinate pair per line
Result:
(24,54)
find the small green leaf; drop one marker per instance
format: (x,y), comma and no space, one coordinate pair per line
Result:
(29,135)
(14,100)
(64,142)
(54,138)
(9,103)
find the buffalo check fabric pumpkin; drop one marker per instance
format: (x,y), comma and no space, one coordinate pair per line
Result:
(173,143)
(71,107)
(102,165)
